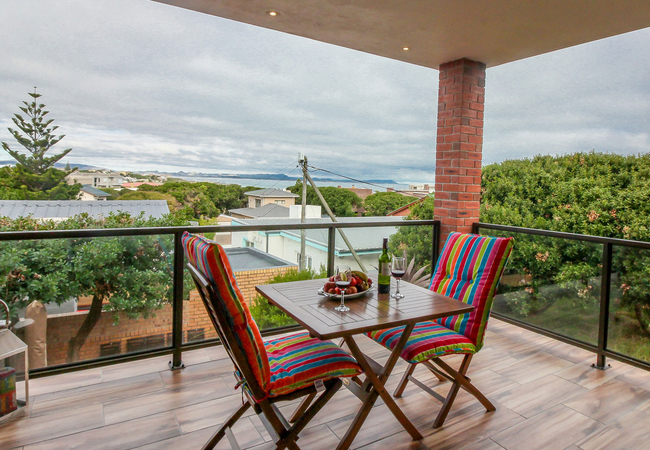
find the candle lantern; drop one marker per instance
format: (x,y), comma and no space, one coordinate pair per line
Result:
(14,373)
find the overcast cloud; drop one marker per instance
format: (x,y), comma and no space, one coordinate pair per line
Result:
(138,85)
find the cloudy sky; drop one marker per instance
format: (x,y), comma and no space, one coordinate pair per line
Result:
(138,85)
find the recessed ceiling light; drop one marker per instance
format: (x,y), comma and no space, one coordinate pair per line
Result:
(406,49)
(272,13)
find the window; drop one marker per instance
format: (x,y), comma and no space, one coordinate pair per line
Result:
(309,260)
(279,202)
(258,202)
(248,243)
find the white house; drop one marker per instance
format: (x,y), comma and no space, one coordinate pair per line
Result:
(285,244)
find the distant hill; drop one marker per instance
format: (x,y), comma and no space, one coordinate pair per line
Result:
(58,165)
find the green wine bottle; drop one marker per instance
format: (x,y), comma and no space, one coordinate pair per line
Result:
(383,279)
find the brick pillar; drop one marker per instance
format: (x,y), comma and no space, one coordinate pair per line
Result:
(459,145)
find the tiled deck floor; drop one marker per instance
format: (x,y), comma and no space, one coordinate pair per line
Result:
(547,397)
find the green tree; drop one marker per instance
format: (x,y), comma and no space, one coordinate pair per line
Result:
(417,241)
(18,184)
(37,139)
(586,193)
(172,203)
(130,274)
(381,203)
(204,198)
(342,202)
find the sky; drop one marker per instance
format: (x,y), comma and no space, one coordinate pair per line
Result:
(139,85)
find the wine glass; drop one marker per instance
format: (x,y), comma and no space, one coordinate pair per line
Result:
(398,269)
(343,277)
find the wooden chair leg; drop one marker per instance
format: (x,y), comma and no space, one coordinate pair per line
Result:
(460,381)
(464,382)
(221,432)
(404,381)
(304,404)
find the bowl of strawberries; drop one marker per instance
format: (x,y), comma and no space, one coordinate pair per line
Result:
(360,284)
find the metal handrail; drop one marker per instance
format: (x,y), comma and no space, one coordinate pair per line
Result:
(178,346)
(601,349)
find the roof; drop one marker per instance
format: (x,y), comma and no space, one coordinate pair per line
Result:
(248,258)
(362,239)
(270,210)
(270,192)
(94,191)
(61,209)
(405,207)
(438,31)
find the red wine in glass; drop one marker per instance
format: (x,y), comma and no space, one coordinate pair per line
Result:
(398,269)
(343,278)
(398,273)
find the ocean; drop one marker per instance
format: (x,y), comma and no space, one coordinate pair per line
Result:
(281,184)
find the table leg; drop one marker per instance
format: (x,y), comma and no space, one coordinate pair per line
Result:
(377,381)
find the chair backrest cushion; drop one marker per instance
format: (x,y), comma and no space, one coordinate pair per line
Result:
(469,269)
(210,258)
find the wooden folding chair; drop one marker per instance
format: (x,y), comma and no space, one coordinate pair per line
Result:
(469,270)
(287,368)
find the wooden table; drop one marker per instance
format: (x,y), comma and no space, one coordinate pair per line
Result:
(316,313)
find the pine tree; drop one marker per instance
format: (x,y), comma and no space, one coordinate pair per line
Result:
(37,139)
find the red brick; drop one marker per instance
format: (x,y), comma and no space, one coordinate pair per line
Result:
(468,130)
(473,139)
(452,138)
(453,121)
(476,106)
(475,123)
(466,180)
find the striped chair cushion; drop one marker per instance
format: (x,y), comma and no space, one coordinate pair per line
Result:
(210,258)
(469,270)
(298,360)
(428,340)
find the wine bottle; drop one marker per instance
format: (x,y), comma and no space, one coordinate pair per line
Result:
(383,280)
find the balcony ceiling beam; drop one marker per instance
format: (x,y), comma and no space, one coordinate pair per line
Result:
(437,31)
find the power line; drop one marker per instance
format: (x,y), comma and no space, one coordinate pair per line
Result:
(348,178)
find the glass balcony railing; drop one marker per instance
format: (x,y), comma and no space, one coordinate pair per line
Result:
(92,297)
(127,293)
(592,292)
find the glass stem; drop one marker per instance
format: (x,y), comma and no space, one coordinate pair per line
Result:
(397,290)
(343,297)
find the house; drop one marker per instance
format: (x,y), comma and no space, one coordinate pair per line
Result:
(136,184)
(361,192)
(263,197)
(273,210)
(406,209)
(89,193)
(96,179)
(62,209)
(285,244)
(268,210)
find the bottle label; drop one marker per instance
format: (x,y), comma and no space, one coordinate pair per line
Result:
(384,269)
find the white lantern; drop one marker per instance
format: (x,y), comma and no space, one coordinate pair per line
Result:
(14,370)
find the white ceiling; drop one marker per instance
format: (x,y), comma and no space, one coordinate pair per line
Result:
(491,31)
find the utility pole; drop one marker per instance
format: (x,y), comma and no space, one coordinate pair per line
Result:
(302,161)
(331,214)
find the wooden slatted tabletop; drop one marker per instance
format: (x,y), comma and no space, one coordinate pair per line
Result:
(373,311)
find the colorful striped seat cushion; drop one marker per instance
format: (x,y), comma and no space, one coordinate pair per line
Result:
(428,340)
(469,270)
(298,360)
(210,258)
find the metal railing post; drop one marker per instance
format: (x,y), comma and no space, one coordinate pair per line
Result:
(331,249)
(435,238)
(177,317)
(603,319)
